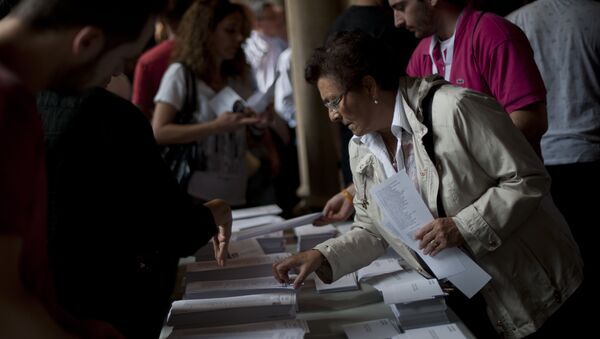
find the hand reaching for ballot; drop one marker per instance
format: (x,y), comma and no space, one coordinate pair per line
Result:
(221,212)
(306,262)
(338,208)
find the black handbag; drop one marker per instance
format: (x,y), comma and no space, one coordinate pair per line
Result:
(181,157)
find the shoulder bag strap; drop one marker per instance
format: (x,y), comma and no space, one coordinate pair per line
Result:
(428,138)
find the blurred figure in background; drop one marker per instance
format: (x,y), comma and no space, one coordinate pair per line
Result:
(208,49)
(265,44)
(63,45)
(151,65)
(564,37)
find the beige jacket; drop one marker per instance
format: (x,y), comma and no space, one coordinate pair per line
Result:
(497,192)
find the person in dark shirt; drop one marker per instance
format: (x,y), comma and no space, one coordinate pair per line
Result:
(63,45)
(119,221)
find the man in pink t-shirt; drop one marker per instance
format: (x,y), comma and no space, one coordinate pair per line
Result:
(49,44)
(151,65)
(479,51)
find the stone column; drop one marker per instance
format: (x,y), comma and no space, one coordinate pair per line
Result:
(308,22)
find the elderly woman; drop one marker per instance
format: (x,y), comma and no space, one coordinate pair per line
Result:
(487,179)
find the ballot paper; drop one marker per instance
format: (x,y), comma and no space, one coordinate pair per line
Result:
(421,313)
(288,329)
(259,101)
(379,267)
(406,286)
(310,236)
(224,100)
(405,213)
(278,226)
(232,310)
(242,224)
(374,329)
(239,268)
(236,249)
(345,283)
(234,287)
(449,331)
(258,211)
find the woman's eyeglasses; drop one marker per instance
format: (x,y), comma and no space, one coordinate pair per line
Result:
(334,104)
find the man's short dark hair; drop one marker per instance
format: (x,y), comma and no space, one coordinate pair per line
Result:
(121,21)
(350,56)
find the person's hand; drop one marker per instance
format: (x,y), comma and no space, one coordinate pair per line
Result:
(439,234)
(265,118)
(221,212)
(229,121)
(306,262)
(338,208)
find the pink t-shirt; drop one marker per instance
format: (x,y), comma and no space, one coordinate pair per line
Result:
(149,71)
(491,55)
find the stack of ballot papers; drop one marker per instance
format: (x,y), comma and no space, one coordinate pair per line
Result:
(242,224)
(272,243)
(274,227)
(258,211)
(232,310)
(234,287)
(310,236)
(240,268)
(421,313)
(406,286)
(385,328)
(266,244)
(287,329)
(345,283)
(372,329)
(236,249)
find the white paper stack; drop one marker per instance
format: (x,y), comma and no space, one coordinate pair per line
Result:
(422,313)
(258,211)
(310,236)
(288,329)
(242,224)
(450,331)
(274,227)
(234,287)
(240,268)
(232,310)
(345,283)
(236,249)
(373,329)
(406,286)
(272,242)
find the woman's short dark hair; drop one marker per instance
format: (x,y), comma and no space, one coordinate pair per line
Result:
(350,56)
(122,21)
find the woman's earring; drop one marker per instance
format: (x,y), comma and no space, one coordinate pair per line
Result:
(375,101)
